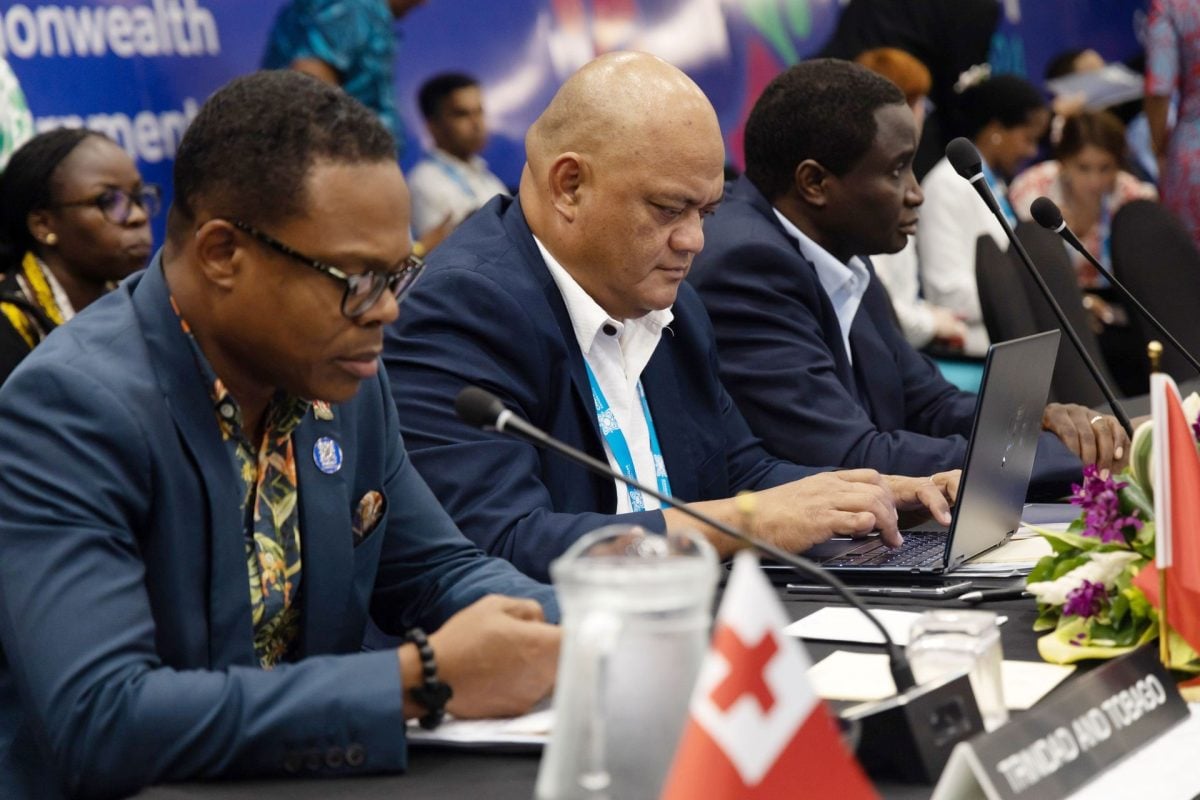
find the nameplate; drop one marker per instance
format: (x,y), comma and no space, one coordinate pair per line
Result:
(1063,743)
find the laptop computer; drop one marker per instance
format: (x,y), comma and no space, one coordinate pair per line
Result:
(991,494)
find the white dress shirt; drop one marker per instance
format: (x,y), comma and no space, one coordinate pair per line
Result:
(617,351)
(444,185)
(953,217)
(901,277)
(844,284)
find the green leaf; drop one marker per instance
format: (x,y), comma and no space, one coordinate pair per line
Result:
(1048,619)
(1119,609)
(1068,564)
(1133,498)
(1042,570)
(1139,606)
(1056,647)
(1069,538)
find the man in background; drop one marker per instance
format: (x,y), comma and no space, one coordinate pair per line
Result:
(453,180)
(807,343)
(346,43)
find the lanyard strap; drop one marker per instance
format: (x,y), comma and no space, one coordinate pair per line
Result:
(453,174)
(611,430)
(1000,194)
(1105,232)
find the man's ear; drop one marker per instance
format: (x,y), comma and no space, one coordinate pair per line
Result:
(568,174)
(811,183)
(218,254)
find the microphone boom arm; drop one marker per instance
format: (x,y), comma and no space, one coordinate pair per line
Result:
(511,424)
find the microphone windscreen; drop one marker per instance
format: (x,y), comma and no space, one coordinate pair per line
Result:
(964,157)
(478,407)
(1046,213)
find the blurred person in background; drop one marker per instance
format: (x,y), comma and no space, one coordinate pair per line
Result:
(920,321)
(1086,180)
(453,180)
(74,219)
(346,43)
(1173,66)
(16,122)
(1004,116)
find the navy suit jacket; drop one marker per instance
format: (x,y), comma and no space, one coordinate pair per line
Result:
(128,655)
(783,358)
(488,312)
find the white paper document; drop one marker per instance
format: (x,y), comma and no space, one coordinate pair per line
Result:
(835,624)
(844,624)
(864,677)
(530,730)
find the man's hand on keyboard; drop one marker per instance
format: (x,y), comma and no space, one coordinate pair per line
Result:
(926,497)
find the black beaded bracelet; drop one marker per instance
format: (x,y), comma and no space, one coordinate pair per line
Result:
(433,694)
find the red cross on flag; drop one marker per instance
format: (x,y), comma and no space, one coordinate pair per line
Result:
(756,728)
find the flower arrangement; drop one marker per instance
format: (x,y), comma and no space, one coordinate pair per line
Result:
(1087,601)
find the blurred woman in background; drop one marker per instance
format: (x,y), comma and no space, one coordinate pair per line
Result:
(74,218)
(1086,181)
(1004,116)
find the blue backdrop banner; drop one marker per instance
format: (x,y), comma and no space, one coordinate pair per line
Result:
(140,69)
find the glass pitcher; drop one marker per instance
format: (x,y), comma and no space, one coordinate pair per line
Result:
(636,611)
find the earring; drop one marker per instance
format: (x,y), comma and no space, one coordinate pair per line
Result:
(995,138)
(51,239)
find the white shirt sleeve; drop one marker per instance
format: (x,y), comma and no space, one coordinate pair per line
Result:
(952,220)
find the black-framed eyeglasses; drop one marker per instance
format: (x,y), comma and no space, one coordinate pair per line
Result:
(117,204)
(363,289)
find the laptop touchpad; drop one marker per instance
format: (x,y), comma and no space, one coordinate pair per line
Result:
(838,546)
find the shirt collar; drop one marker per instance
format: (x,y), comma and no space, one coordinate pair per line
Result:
(475,163)
(587,317)
(835,277)
(284,414)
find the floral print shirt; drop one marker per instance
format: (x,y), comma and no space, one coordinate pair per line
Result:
(270,511)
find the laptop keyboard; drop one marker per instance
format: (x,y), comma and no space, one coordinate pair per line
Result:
(919,548)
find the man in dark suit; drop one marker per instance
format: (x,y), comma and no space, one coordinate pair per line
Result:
(203,491)
(807,344)
(569,304)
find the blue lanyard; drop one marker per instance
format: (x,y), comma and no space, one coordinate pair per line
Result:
(453,174)
(1000,194)
(611,431)
(1105,237)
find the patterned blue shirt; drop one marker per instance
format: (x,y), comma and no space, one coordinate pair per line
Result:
(355,37)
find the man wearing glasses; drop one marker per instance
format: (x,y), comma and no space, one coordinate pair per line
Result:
(203,492)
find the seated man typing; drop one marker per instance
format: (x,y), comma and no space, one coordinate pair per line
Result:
(203,491)
(807,344)
(569,304)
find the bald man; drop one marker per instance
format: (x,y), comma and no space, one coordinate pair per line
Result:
(569,304)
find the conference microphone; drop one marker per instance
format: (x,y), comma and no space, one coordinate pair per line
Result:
(1048,215)
(967,162)
(910,735)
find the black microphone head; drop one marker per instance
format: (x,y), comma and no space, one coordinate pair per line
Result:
(964,157)
(1046,214)
(478,407)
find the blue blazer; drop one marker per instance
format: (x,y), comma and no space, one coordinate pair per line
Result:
(124,609)
(488,312)
(783,358)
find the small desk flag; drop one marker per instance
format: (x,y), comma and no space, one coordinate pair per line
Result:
(756,728)
(1176,512)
